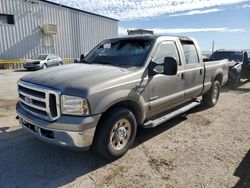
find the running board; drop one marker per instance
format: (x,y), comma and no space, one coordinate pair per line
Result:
(160,120)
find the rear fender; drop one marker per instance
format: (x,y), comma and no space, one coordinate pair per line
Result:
(218,74)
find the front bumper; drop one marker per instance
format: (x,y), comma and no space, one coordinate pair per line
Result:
(232,75)
(76,132)
(32,66)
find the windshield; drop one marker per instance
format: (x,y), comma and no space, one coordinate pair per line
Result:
(120,52)
(231,56)
(40,57)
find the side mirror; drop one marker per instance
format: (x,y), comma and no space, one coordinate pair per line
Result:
(82,58)
(169,67)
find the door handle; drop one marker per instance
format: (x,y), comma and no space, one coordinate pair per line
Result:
(201,70)
(181,75)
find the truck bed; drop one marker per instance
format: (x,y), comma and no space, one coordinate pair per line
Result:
(212,67)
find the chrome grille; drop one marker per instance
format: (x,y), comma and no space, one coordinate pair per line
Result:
(39,101)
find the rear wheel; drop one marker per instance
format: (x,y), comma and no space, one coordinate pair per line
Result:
(210,99)
(116,133)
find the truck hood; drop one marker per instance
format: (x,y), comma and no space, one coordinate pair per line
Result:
(33,61)
(76,79)
(234,63)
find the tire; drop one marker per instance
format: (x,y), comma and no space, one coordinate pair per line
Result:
(60,64)
(210,99)
(45,66)
(115,134)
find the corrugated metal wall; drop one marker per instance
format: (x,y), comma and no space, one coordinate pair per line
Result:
(78,32)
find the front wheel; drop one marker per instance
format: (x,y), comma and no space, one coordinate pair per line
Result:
(210,99)
(116,133)
(235,83)
(45,66)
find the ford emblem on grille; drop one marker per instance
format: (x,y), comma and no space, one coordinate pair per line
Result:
(28,100)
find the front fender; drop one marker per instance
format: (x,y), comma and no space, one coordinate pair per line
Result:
(234,72)
(116,97)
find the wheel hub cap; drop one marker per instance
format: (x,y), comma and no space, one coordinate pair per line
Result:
(215,94)
(120,134)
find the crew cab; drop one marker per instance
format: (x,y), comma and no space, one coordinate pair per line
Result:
(239,64)
(122,83)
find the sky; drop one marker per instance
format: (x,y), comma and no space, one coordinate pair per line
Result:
(226,22)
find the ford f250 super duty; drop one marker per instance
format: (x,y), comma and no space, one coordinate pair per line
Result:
(122,83)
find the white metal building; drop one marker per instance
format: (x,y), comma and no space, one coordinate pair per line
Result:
(30,27)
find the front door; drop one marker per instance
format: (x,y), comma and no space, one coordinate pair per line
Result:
(162,91)
(52,61)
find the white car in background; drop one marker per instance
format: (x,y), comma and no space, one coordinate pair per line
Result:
(43,61)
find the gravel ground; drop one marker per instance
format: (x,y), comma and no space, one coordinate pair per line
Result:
(204,148)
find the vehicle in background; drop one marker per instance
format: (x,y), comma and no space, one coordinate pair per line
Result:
(205,57)
(239,64)
(140,32)
(76,60)
(43,61)
(122,83)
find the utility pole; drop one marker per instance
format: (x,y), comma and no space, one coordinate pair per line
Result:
(213,47)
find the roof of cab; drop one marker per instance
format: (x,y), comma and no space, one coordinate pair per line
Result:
(230,50)
(149,36)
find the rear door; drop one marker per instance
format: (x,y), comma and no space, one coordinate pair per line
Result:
(194,70)
(164,92)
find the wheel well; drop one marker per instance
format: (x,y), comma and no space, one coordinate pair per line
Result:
(219,77)
(131,105)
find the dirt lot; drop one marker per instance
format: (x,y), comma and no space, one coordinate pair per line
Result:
(205,148)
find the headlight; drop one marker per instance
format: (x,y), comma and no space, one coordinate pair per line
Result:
(72,105)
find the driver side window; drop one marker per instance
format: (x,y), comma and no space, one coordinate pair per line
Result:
(166,49)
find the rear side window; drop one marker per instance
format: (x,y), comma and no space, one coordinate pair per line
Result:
(166,49)
(190,52)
